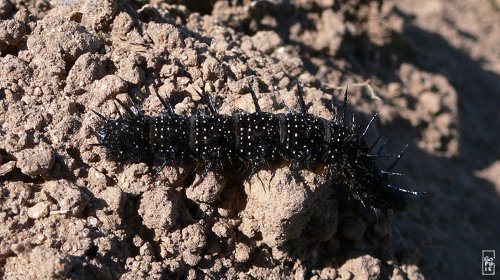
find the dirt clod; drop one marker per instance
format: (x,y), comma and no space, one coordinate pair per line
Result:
(36,161)
(69,198)
(206,190)
(158,209)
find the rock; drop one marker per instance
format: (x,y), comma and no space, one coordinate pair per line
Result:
(221,229)
(194,238)
(212,69)
(39,210)
(135,179)
(50,263)
(364,267)
(241,252)
(36,161)
(54,36)
(12,33)
(157,209)
(68,196)
(88,67)
(430,102)
(108,87)
(113,197)
(164,36)
(206,190)
(190,258)
(279,207)
(266,41)
(6,168)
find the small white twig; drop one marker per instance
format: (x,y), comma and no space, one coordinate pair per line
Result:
(365,84)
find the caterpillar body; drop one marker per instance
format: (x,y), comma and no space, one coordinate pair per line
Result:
(255,138)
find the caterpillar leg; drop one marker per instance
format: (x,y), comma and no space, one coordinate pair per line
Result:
(254,165)
(210,166)
(164,163)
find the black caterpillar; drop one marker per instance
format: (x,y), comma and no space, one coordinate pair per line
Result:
(255,138)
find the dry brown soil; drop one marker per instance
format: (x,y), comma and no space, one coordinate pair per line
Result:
(68,212)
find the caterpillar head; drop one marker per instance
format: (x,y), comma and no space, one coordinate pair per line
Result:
(372,187)
(125,138)
(365,180)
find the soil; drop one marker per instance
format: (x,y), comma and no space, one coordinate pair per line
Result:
(66,211)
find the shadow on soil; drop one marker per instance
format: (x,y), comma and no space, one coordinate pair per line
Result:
(456,222)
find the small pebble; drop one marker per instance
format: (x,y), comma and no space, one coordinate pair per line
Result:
(39,210)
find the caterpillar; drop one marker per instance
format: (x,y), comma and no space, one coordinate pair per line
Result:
(255,139)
